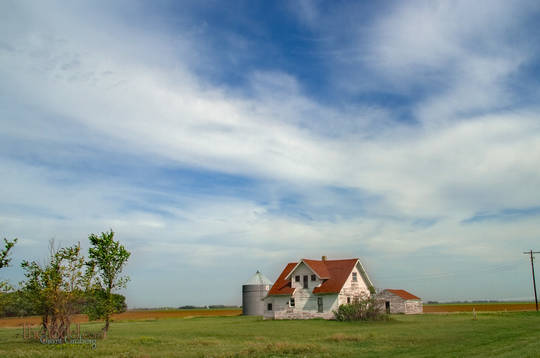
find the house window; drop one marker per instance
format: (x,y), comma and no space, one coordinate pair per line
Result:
(354,278)
(269,307)
(305,281)
(348,300)
(291,302)
(313,278)
(319,304)
(297,278)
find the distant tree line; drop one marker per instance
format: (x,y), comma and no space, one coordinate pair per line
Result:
(16,303)
(67,284)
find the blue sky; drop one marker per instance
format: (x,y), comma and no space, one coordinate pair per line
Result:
(217,139)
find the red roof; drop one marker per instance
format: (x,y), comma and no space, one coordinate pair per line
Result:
(283,286)
(339,270)
(403,294)
(333,272)
(319,267)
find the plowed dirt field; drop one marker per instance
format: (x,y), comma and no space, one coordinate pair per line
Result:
(479,307)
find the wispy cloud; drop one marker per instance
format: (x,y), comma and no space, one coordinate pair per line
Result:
(110,124)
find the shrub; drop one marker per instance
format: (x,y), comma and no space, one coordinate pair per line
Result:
(366,308)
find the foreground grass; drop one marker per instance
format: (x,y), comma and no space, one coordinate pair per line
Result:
(512,334)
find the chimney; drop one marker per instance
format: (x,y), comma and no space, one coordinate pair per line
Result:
(324,258)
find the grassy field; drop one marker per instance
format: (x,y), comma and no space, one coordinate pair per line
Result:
(503,334)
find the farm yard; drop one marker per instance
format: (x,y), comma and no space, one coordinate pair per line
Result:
(192,333)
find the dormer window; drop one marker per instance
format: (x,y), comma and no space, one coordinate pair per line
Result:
(313,278)
(297,278)
(354,277)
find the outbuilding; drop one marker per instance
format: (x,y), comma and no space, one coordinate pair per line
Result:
(400,301)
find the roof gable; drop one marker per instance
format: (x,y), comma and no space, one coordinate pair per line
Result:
(317,267)
(403,294)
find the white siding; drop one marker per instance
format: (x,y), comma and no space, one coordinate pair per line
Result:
(400,305)
(279,304)
(303,270)
(306,305)
(353,289)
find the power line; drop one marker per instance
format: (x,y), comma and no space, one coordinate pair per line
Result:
(531,253)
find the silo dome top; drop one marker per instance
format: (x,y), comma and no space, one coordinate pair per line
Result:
(258,279)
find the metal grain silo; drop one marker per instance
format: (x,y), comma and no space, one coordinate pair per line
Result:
(253,292)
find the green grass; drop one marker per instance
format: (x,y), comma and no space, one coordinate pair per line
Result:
(513,334)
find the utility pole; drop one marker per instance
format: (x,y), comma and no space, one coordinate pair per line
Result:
(531,253)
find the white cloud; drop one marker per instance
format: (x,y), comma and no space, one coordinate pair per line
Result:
(145,109)
(68,84)
(464,52)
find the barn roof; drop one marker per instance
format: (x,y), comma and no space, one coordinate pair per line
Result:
(334,273)
(403,294)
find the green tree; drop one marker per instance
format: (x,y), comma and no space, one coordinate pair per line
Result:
(4,262)
(107,259)
(4,253)
(56,289)
(96,303)
(5,287)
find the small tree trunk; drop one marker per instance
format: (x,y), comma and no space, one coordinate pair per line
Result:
(44,320)
(106,323)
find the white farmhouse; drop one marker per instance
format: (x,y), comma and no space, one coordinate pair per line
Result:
(315,288)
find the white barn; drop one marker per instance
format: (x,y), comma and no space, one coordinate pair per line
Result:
(315,288)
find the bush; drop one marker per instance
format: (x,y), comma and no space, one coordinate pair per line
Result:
(367,308)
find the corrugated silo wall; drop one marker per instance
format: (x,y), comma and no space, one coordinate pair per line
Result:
(252,303)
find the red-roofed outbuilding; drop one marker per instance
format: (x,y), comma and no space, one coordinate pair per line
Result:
(400,301)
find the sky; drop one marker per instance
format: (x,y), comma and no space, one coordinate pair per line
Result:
(221,138)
